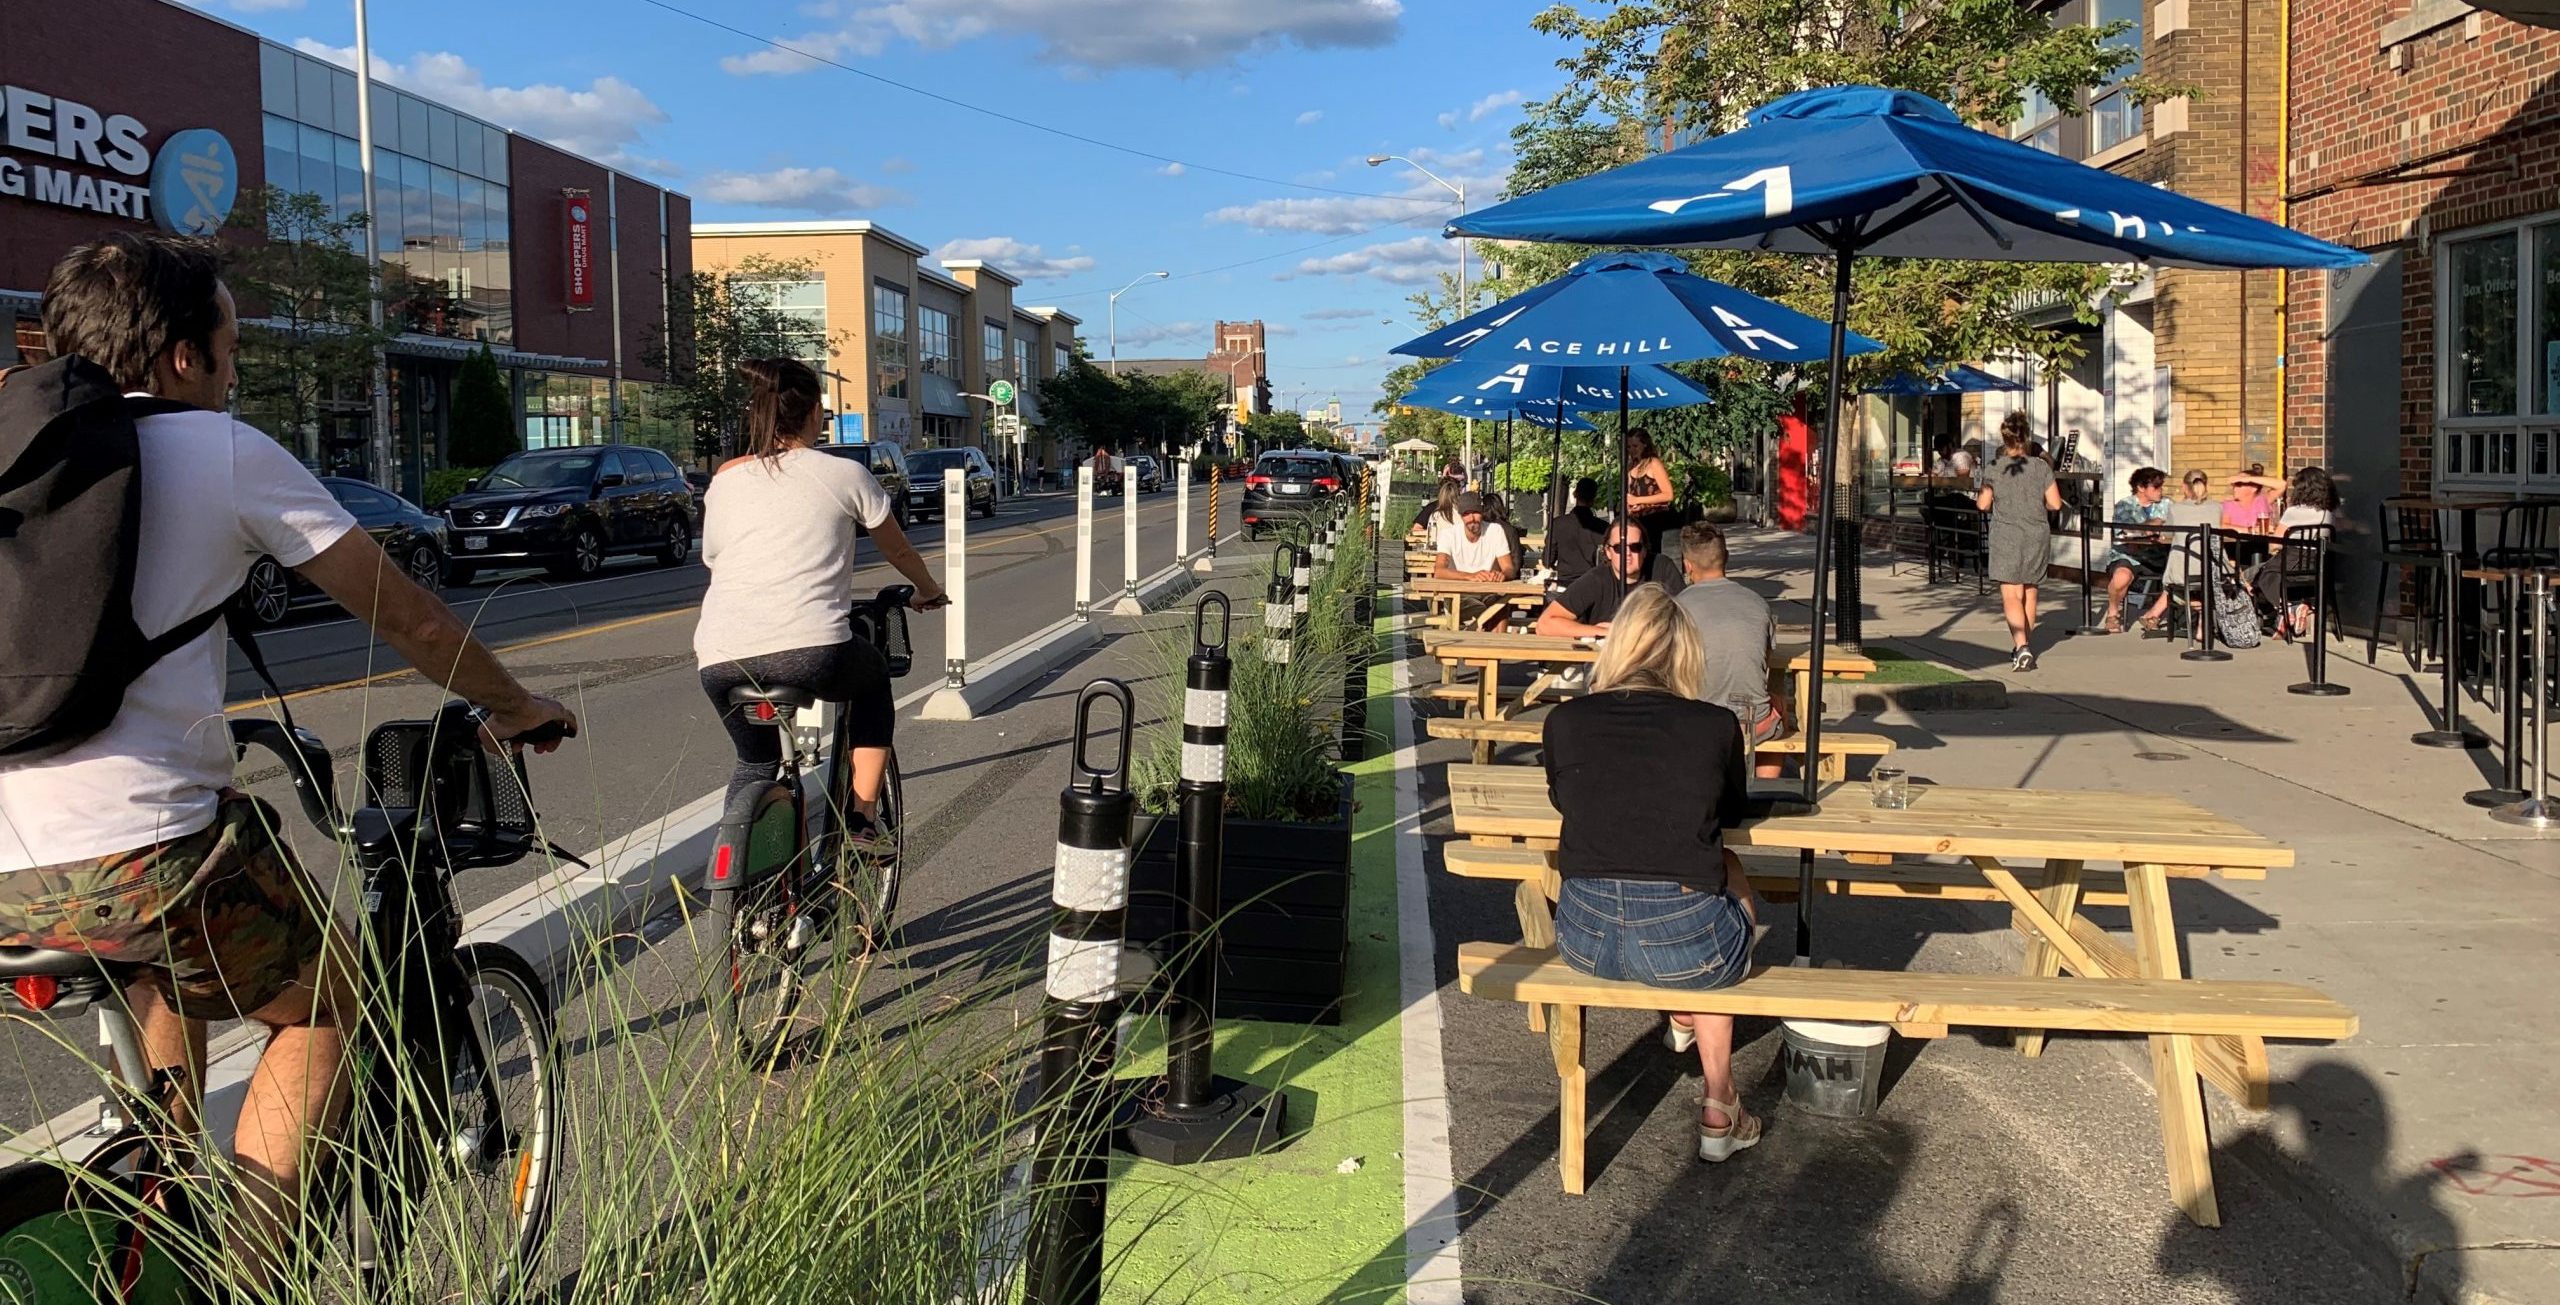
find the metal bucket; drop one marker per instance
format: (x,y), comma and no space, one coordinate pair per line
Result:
(1833,1070)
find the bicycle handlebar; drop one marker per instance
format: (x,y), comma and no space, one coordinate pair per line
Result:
(306,764)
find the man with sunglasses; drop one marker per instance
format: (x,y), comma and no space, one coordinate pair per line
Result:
(1586,607)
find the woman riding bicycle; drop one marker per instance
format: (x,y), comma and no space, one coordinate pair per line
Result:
(780,530)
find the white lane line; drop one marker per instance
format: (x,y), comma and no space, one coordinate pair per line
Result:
(1433,1262)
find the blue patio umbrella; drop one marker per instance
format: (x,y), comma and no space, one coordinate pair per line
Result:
(1623,310)
(1480,386)
(1850,170)
(1959,379)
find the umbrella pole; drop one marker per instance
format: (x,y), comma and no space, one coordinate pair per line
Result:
(1626,511)
(1824,482)
(1559,491)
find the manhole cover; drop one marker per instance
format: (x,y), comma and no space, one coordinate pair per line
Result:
(2159,756)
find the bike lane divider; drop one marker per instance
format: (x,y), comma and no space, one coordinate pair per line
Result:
(1359,1204)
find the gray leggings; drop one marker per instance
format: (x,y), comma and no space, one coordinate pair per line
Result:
(853,673)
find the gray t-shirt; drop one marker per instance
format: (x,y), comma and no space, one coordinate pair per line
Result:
(2017,491)
(1734,622)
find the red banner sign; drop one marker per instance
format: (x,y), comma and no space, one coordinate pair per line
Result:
(578,212)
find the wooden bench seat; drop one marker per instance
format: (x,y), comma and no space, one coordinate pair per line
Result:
(1837,745)
(1776,881)
(1915,1005)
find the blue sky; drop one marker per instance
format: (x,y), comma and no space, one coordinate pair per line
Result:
(1293,93)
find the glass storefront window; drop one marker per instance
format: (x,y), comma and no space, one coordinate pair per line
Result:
(1022,362)
(995,348)
(935,341)
(284,158)
(2483,294)
(2546,338)
(1063,359)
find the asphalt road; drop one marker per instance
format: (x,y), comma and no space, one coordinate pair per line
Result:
(618,648)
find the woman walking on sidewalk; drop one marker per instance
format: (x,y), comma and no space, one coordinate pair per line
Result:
(1650,893)
(2018,493)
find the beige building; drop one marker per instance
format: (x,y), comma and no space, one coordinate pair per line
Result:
(908,347)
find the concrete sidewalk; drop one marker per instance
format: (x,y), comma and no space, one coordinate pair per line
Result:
(2423,1143)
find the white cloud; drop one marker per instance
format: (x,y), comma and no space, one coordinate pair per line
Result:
(1172,170)
(897,165)
(1418,261)
(1311,117)
(602,121)
(1143,333)
(823,191)
(1337,314)
(1282,329)
(1030,262)
(1448,122)
(1091,35)
(1492,104)
(1420,203)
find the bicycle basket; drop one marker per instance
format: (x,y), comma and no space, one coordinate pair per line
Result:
(481,811)
(884,625)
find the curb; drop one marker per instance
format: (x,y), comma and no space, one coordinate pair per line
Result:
(1010,671)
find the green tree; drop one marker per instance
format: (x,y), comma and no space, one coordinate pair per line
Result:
(306,296)
(1274,430)
(484,428)
(716,320)
(1131,411)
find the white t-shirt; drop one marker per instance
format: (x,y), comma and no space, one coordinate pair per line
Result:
(779,539)
(1478,554)
(2301,515)
(215,495)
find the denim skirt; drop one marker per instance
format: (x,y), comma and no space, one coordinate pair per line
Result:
(1653,932)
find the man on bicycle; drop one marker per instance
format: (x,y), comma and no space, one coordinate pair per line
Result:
(131,844)
(781,527)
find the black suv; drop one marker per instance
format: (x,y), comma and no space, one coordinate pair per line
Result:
(888,465)
(568,510)
(1288,484)
(978,478)
(415,540)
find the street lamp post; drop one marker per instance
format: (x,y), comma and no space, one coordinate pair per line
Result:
(1465,303)
(1111,314)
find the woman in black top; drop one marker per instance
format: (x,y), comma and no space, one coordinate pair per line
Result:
(1573,539)
(1650,893)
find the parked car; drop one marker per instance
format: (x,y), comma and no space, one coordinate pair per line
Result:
(887,461)
(1285,485)
(414,537)
(926,466)
(567,510)
(699,481)
(1148,474)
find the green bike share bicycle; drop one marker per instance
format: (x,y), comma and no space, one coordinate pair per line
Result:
(455,1112)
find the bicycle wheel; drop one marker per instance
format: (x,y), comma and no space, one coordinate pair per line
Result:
(478,1201)
(870,876)
(72,1234)
(765,935)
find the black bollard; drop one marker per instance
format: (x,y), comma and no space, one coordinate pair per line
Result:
(1301,581)
(2318,686)
(1088,931)
(1194,1115)
(1279,621)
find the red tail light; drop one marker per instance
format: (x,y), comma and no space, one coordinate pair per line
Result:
(1328,484)
(1257,480)
(37,991)
(765,711)
(720,863)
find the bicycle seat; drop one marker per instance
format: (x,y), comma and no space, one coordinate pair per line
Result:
(780,695)
(31,962)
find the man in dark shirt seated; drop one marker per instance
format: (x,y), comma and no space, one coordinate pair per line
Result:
(1585,608)
(1573,539)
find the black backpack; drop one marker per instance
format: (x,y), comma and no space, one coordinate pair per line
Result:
(70,528)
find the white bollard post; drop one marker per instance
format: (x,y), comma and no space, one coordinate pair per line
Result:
(1386,490)
(1129,604)
(1181,511)
(1084,542)
(955,572)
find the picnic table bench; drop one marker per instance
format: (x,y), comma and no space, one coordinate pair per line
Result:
(1837,745)
(1444,596)
(1993,834)
(1487,652)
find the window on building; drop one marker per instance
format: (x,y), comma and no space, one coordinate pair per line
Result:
(937,342)
(2483,282)
(1064,359)
(889,339)
(803,304)
(1021,362)
(995,347)
(2039,123)
(2113,116)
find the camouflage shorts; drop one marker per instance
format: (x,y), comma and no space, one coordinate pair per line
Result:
(224,914)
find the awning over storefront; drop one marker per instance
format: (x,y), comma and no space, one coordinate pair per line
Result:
(437,346)
(1026,400)
(942,396)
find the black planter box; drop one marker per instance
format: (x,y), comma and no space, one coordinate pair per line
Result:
(1284,911)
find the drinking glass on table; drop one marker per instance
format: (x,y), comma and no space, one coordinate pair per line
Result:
(1891,786)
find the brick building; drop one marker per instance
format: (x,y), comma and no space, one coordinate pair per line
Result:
(2428,133)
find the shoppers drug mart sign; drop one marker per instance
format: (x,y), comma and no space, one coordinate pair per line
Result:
(578,229)
(66,154)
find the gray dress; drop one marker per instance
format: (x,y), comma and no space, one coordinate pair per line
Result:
(2021,541)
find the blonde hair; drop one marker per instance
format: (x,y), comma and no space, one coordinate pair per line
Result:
(1651,646)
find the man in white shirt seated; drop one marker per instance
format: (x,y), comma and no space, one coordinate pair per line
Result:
(1475,551)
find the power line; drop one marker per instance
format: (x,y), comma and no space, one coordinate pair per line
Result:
(1018,121)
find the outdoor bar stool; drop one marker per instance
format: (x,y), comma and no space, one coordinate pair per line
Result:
(1959,540)
(2410,540)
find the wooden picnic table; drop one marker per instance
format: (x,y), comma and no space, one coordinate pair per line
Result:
(1997,832)
(1489,651)
(1444,596)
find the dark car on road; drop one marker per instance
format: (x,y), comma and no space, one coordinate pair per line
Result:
(568,510)
(888,465)
(412,536)
(1286,485)
(1149,476)
(925,468)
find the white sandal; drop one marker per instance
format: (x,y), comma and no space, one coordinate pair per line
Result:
(1718,1142)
